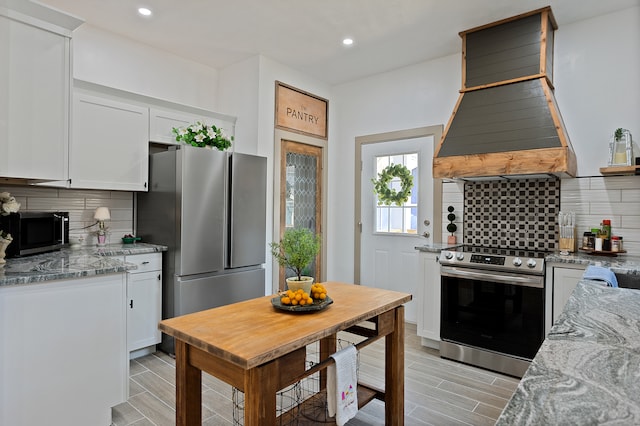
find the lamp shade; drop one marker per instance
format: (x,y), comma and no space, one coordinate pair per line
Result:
(102,213)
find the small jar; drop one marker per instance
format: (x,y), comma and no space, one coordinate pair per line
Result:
(615,243)
(588,240)
(606,244)
(598,246)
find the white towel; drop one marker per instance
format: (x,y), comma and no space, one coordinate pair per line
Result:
(342,385)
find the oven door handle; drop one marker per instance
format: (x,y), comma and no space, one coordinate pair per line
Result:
(506,278)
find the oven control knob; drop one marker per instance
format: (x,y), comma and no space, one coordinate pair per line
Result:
(460,256)
(448,255)
(531,263)
(517,261)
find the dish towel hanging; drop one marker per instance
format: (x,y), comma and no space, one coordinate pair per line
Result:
(342,385)
(599,273)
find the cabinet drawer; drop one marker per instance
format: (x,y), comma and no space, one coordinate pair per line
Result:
(145,262)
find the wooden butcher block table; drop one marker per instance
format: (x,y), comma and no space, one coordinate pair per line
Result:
(260,349)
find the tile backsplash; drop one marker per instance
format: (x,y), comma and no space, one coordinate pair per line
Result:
(81,205)
(519,214)
(596,198)
(592,199)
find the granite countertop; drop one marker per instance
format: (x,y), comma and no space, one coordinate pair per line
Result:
(72,263)
(587,370)
(435,247)
(622,264)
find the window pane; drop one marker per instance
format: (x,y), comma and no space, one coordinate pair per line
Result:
(395,219)
(399,219)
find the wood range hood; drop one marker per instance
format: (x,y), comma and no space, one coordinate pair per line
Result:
(506,122)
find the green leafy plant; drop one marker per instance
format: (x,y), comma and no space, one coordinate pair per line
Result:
(388,196)
(618,133)
(201,135)
(296,250)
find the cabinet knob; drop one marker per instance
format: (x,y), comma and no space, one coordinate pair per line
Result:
(145,262)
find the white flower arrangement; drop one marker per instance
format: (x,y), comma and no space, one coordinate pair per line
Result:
(201,135)
(8,204)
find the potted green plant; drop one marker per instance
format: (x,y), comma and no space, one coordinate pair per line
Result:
(295,251)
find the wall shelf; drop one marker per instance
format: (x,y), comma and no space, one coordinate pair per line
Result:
(619,170)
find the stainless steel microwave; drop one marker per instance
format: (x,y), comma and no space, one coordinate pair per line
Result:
(35,232)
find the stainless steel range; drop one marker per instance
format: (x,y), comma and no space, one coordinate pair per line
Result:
(492,308)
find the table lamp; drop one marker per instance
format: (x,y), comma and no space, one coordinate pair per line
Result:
(101,214)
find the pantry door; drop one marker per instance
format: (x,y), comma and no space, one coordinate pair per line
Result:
(301,196)
(386,236)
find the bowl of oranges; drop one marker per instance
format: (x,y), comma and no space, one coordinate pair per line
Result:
(301,301)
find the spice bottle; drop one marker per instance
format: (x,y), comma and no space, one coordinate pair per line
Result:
(615,243)
(588,240)
(606,228)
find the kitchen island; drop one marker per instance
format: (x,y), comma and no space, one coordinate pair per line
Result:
(587,371)
(259,349)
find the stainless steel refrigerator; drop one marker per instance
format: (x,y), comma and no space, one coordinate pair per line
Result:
(209,208)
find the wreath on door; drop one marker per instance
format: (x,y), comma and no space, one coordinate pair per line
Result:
(388,196)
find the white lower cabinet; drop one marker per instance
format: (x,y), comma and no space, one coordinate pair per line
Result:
(560,282)
(63,358)
(429,299)
(144,303)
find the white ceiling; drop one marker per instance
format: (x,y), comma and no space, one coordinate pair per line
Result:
(306,34)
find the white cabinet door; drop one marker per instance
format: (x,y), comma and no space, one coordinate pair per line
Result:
(34,102)
(429,298)
(162,121)
(565,281)
(144,294)
(63,357)
(109,144)
(144,300)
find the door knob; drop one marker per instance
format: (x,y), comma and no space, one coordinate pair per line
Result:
(426,234)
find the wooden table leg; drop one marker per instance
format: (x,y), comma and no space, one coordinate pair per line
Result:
(261,385)
(394,372)
(188,388)
(328,347)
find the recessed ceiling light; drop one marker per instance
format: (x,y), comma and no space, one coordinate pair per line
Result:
(347,42)
(144,11)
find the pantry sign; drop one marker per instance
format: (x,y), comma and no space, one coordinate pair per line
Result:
(300,111)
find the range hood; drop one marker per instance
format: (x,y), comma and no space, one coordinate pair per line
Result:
(506,122)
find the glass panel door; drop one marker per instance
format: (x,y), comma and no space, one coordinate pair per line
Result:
(300,199)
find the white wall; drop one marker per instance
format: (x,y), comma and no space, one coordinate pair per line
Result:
(594,96)
(111,60)
(420,95)
(597,63)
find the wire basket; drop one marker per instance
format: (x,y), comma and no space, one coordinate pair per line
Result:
(290,409)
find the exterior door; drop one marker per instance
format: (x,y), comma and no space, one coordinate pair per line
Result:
(301,195)
(389,234)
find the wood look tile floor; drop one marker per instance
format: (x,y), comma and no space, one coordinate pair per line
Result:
(437,391)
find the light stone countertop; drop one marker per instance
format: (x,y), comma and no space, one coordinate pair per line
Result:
(587,370)
(72,263)
(436,247)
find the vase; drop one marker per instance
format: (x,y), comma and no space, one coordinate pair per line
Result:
(4,243)
(305,283)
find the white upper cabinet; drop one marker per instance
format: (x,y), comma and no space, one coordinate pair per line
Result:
(35,79)
(163,120)
(109,144)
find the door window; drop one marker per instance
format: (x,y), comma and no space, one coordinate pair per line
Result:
(395,219)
